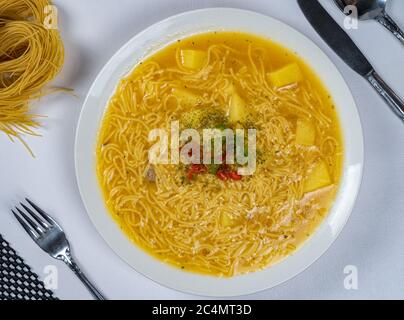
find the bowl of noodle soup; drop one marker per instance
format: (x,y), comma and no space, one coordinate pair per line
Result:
(207,228)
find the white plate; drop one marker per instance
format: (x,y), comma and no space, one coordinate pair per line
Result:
(158,36)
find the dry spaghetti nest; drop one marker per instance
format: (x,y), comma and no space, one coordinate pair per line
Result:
(31,55)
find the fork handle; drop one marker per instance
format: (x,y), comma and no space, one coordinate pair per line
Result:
(392,99)
(75,268)
(390,24)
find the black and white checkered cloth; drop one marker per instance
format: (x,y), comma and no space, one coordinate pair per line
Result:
(17,281)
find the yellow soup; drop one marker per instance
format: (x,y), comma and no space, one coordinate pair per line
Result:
(211,220)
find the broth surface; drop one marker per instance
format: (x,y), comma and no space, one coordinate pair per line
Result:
(205,224)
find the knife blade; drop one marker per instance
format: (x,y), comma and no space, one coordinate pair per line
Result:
(340,42)
(335,36)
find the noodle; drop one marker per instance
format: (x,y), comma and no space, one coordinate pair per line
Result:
(30,57)
(268,214)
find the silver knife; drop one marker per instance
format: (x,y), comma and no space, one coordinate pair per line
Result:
(343,45)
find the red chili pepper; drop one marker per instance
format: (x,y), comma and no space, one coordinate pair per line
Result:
(221,175)
(195,169)
(198,168)
(233,175)
(224,167)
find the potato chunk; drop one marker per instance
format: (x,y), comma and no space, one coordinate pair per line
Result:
(305,132)
(186,97)
(238,111)
(225,220)
(318,177)
(285,76)
(193,59)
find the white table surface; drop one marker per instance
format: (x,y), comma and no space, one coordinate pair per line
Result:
(92,31)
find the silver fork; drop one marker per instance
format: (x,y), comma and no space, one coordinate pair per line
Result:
(50,237)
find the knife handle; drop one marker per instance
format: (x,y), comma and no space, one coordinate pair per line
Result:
(392,99)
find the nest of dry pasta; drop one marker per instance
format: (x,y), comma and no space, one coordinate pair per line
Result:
(31,55)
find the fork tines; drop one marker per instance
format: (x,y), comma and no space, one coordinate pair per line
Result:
(33,219)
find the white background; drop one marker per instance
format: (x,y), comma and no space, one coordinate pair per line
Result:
(92,31)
